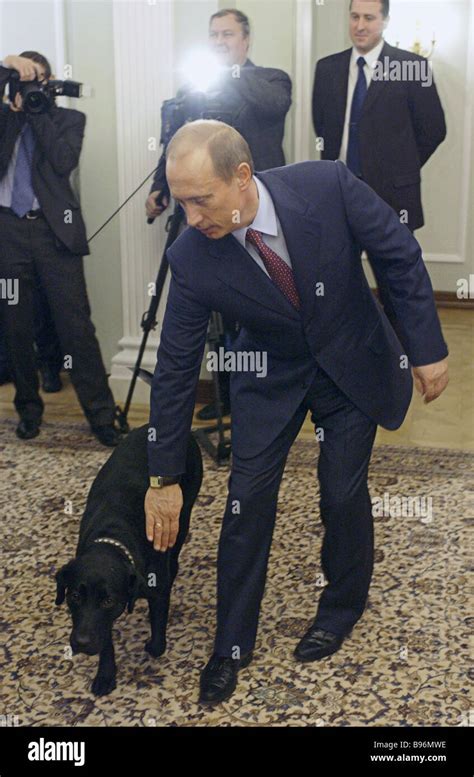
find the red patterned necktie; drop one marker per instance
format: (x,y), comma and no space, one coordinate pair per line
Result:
(278,270)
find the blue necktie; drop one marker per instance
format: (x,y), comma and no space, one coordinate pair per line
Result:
(23,193)
(360,93)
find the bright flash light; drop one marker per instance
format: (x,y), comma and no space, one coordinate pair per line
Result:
(200,69)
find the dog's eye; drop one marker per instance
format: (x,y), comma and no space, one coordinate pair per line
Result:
(75,597)
(107,602)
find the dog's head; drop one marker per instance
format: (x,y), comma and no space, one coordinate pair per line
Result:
(97,588)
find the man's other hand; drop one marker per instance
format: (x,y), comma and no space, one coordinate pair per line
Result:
(162,509)
(152,209)
(431,379)
(17,104)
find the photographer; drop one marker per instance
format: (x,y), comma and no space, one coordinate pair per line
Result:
(257,100)
(43,237)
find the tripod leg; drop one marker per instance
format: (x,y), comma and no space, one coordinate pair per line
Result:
(149,319)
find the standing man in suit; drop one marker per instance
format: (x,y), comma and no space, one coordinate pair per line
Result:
(258,99)
(382,126)
(43,236)
(290,270)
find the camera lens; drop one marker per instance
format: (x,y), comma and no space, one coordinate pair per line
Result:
(36,102)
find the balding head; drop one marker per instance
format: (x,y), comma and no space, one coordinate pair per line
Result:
(225,147)
(209,169)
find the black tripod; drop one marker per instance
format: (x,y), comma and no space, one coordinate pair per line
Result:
(222,450)
(148,321)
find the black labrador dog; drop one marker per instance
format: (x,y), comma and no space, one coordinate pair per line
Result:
(115,563)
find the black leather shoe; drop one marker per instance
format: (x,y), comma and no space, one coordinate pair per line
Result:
(26,429)
(317,644)
(219,678)
(209,412)
(50,380)
(107,435)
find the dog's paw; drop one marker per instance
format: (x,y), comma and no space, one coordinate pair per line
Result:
(155,649)
(103,685)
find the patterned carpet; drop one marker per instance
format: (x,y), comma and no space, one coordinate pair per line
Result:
(405,664)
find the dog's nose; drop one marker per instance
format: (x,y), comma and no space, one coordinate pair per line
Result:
(81,641)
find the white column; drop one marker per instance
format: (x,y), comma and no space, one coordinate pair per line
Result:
(143,41)
(303,134)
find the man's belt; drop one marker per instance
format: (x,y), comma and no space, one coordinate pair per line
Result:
(31,215)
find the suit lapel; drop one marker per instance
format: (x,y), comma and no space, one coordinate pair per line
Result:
(339,93)
(14,125)
(376,87)
(237,268)
(302,233)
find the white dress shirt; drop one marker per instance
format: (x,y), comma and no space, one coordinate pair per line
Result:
(370,58)
(267,222)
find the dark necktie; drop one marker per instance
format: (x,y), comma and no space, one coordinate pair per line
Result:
(360,93)
(23,193)
(278,270)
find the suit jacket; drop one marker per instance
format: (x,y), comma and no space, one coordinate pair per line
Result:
(259,101)
(402,124)
(59,135)
(327,215)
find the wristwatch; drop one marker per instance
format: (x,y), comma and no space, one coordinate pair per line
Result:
(163,480)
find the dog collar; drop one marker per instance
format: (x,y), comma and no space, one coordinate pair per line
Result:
(117,544)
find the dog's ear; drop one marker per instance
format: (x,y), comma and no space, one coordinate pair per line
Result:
(136,588)
(62,581)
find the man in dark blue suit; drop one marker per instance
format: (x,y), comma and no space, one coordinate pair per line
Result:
(280,252)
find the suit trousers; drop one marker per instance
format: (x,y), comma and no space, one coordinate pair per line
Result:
(48,350)
(346,515)
(29,251)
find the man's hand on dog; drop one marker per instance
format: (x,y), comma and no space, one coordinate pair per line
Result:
(162,509)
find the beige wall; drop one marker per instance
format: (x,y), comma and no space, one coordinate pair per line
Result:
(191,24)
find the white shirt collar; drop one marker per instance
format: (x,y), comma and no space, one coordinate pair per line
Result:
(265,221)
(371,57)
